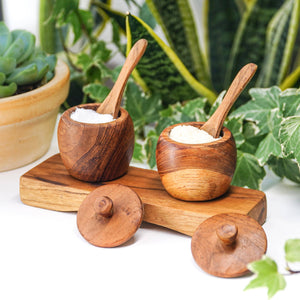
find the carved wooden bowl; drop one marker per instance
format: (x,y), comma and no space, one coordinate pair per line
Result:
(96,152)
(196,172)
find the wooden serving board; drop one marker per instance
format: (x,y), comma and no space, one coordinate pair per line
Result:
(49,186)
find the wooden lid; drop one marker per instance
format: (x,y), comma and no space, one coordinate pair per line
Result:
(110,215)
(224,244)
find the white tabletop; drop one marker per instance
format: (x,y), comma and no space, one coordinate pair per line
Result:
(43,256)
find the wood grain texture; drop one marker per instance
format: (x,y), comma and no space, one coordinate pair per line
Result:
(96,152)
(215,123)
(196,172)
(110,215)
(50,186)
(111,104)
(224,244)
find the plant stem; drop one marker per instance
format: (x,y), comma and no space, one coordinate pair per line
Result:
(291,80)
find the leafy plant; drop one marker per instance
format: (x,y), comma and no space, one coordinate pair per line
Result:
(22,65)
(266,270)
(73,32)
(180,82)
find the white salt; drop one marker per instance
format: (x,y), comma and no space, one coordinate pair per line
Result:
(188,134)
(90,116)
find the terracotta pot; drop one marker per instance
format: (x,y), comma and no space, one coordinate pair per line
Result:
(27,120)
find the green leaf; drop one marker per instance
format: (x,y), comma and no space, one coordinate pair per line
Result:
(96,91)
(138,154)
(86,19)
(290,102)
(267,276)
(5,38)
(160,70)
(281,37)
(177,21)
(290,136)
(262,109)
(235,125)
(150,148)
(268,146)
(217,103)
(29,43)
(248,172)
(62,9)
(119,17)
(195,109)
(285,167)
(8,90)
(99,51)
(292,250)
(221,22)
(250,38)
(142,109)
(146,15)
(74,21)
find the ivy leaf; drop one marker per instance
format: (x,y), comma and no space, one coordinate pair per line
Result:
(62,9)
(142,109)
(290,136)
(196,109)
(267,276)
(270,145)
(150,148)
(248,172)
(261,109)
(290,102)
(292,250)
(99,51)
(96,91)
(138,154)
(235,125)
(284,167)
(217,102)
(74,20)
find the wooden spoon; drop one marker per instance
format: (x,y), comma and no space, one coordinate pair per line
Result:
(214,125)
(111,104)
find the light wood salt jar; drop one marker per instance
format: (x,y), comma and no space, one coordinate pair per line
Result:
(96,152)
(196,172)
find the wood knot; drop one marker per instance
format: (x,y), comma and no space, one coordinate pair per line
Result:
(227,233)
(103,206)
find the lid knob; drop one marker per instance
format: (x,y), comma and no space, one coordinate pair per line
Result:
(227,233)
(223,245)
(110,215)
(103,206)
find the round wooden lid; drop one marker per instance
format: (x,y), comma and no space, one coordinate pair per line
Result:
(110,215)
(224,244)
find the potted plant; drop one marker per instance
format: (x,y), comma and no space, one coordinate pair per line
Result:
(32,88)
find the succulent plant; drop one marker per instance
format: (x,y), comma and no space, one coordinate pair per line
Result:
(23,66)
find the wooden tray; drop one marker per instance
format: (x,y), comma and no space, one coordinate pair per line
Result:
(49,186)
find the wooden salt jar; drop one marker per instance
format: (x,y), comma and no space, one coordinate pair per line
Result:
(96,152)
(196,172)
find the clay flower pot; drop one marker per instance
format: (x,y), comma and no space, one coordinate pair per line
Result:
(27,120)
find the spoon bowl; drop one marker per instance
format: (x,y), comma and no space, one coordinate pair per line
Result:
(196,172)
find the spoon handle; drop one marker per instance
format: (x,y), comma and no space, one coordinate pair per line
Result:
(214,125)
(111,104)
